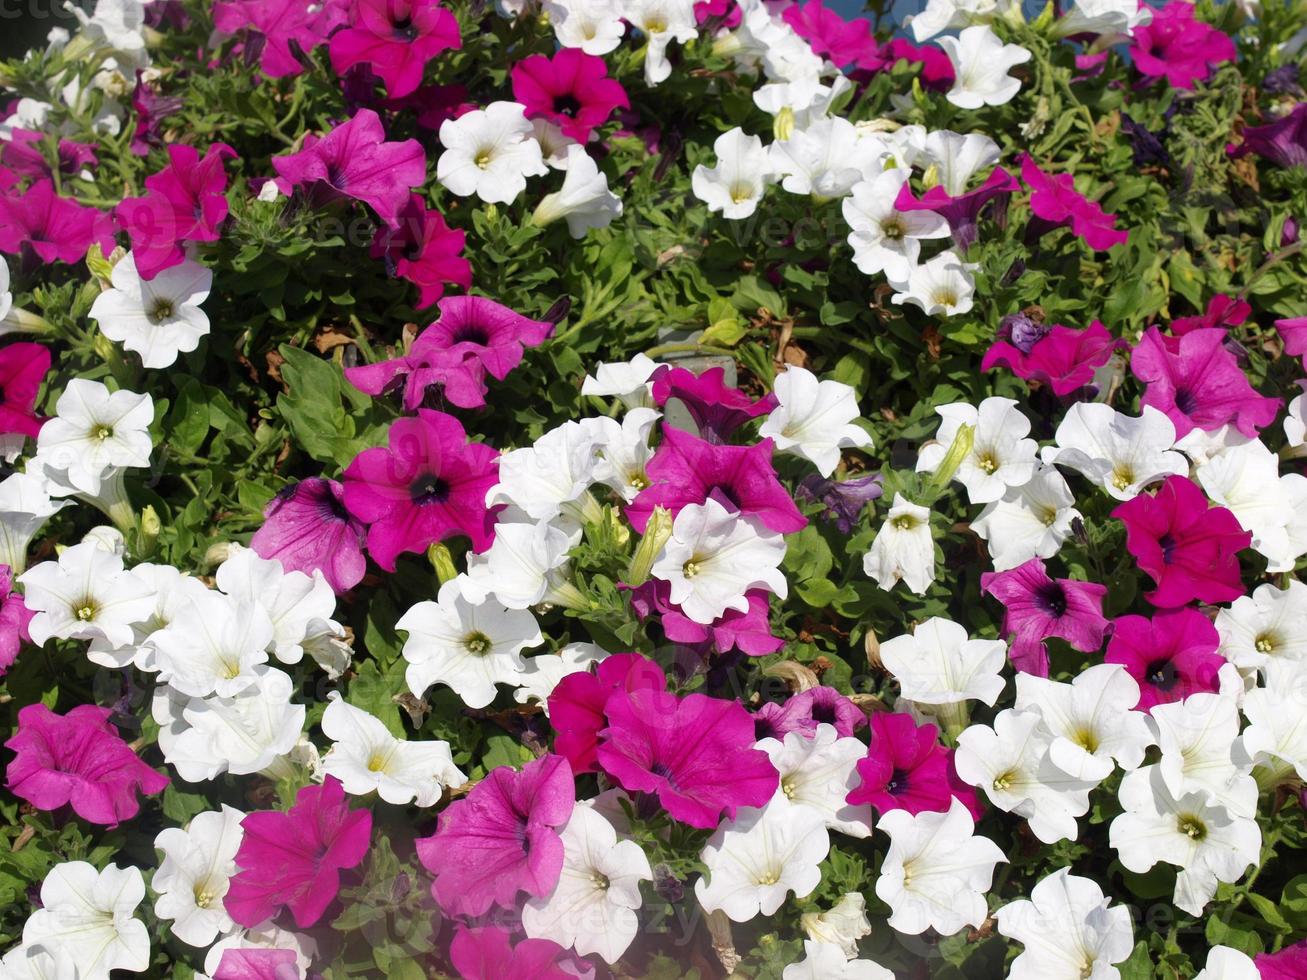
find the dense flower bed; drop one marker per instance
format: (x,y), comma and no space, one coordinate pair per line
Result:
(654,489)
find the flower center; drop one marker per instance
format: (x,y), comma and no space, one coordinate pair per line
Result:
(1191,826)
(429,489)
(1087,739)
(1003,782)
(484,157)
(477,643)
(204,893)
(768,876)
(945,297)
(86,609)
(904,522)
(898,783)
(1161,674)
(1048,517)
(741,191)
(691,568)
(655,24)
(161,311)
(1122,477)
(789,788)
(600,881)
(377,761)
(988,463)
(892,229)
(100,432)
(1266,643)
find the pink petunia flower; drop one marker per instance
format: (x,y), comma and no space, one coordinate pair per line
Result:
(748,631)
(1197,382)
(78,758)
(1061,358)
(23,367)
(502,838)
(820,705)
(151,109)
(487,953)
(14,619)
(307,528)
(1289,963)
(963,211)
(688,470)
(844,42)
(727,11)
(38,222)
(23,155)
(257,964)
(1054,199)
(1190,550)
(396,39)
(717,409)
(1293,332)
(426,485)
(906,768)
(1172,655)
(570,89)
(1222,311)
(936,68)
(186,202)
(294,859)
(355,161)
(282,26)
(576,706)
(1178,48)
(695,752)
(424,250)
(1039,607)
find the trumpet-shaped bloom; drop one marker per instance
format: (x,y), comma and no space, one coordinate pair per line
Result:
(1068,930)
(906,768)
(718,409)
(396,39)
(278,28)
(1030,521)
(570,89)
(584,201)
(884,237)
(94,431)
(14,620)
(819,771)
(85,595)
(1055,201)
(814,419)
(594,26)
(54,229)
(423,249)
(488,951)
(158,319)
(23,368)
(1001,456)
(489,152)
(940,286)
(1171,656)
(736,184)
(1276,737)
(215,646)
(1037,607)
(938,664)
(294,859)
(502,838)
(661,22)
(904,549)
(1270,624)
(78,758)
(1120,453)
(981,62)
(824,159)
(1061,358)
(307,528)
(576,705)
(1200,751)
(526,565)
(89,916)
(1179,48)
(198,864)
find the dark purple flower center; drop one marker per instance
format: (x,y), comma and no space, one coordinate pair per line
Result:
(567,104)
(471,333)
(1185,400)
(336,175)
(764,728)
(413,250)
(1051,598)
(898,783)
(429,489)
(1161,674)
(1167,543)
(824,712)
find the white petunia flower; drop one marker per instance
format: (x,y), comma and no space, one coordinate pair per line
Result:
(1109,17)
(903,549)
(1001,456)
(158,319)
(172,593)
(953,159)
(89,914)
(813,419)
(1011,763)
(945,15)
(737,183)
(25,506)
(94,431)
(940,286)
(622,450)
(38,963)
(627,381)
(299,606)
(554,143)
(842,925)
(883,238)
(489,152)
(937,664)
(818,771)
(1091,719)
(1295,423)
(824,159)
(85,595)
(1246,481)
(1227,963)
(214,646)
(1120,453)
(198,864)
(1207,842)
(552,477)
(468,646)
(526,565)
(755,860)
(824,961)
(1029,521)
(937,870)
(544,671)
(981,62)
(714,557)
(1276,737)
(367,758)
(1199,741)
(809,98)
(661,22)
(593,907)
(594,26)
(118,25)
(1270,624)
(584,201)
(1068,929)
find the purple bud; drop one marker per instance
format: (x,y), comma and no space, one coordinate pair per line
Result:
(1289,235)
(1022,331)
(1281,80)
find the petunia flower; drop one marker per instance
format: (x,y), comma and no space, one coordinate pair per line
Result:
(502,838)
(1289,962)
(151,109)
(1171,656)
(593,26)
(1038,607)
(981,62)
(78,758)
(736,184)
(159,319)
(1121,454)
(85,594)
(818,771)
(22,154)
(355,161)
(14,620)
(87,916)
(938,664)
(806,711)
(1001,455)
(660,22)
(695,752)
(576,705)
(904,548)
(826,961)
(884,236)
(1055,201)
(842,925)
(474,328)
(488,951)
(1068,928)
(943,285)
(1101,17)
(1179,48)
(426,485)
(906,768)
(1269,624)
(1282,141)
(748,631)
(1030,521)
(844,42)
(1061,358)
(1222,311)
(25,506)
(293,860)
(1246,480)
(421,248)
(570,89)
(1201,749)
(39,223)
(193,878)
(718,409)
(23,368)
(843,501)
(1190,551)
(1276,737)
(825,159)
(278,28)
(584,201)
(96,432)
(396,39)
(308,529)
(1198,383)
(185,202)
(489,152)
(525,565)
(961,211)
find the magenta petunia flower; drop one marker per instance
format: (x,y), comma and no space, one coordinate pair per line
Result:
(256,964)
(426,485)
(38,222)
(962,212)
(1293,331)
(78,758)
(1190,550)
(749,631)
(717,409)
(906,768)
(307,528)
(424,250)
(576,706)
(820,705)
(23,367)
(23,155)
(844,42)
(1289,963)
(687,470)
(936,69)
(727,12)
(570,89)
(1222,311)
(281,26)
(1039,607)
(487,953)
(355,161)
(1172,655)
(1061,358)
(695,752)
(474,328)
(151,110)
(294,859)
(186,202)
(1197,382)
(502,838)
(14,619)
(1179,48)
(1054,200)
(424,376)
(396,39)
